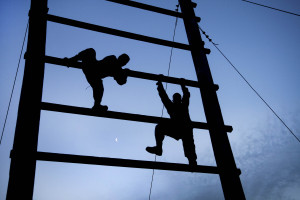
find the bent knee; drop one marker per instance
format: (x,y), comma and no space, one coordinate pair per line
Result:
(91,50)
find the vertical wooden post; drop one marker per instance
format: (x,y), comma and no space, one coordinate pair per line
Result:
(23,162)
(229,176)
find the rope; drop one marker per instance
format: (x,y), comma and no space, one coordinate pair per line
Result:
(272,8)
(162,111)
(12,91)
(171,55)
(152,180)
(243,77)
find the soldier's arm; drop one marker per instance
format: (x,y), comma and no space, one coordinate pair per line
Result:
(163,95)
(186,94)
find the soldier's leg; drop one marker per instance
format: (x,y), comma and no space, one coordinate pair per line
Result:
(189,147)
(98,91)
(160,131)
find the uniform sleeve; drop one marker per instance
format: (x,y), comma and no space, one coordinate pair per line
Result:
(164,97)
(186,96)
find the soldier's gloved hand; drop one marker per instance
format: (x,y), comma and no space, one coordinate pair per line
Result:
(182,80)
(160,77)
(159,84)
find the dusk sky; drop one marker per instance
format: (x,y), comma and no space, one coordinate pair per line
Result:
(262,43)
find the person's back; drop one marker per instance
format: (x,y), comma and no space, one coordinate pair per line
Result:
(178,109)
(108,66)
(95,70)
(179,125)
(179,114)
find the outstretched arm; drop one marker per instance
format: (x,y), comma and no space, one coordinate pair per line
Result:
(163,95)
(186,94)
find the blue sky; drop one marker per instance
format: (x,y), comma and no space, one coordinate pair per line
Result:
(262,43)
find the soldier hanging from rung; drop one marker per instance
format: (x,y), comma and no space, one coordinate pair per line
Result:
(95,70)
(179,125)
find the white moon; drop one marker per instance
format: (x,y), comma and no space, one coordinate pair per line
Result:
(116,139)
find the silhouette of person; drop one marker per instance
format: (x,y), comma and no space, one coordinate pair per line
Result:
(95,70)
(179,125)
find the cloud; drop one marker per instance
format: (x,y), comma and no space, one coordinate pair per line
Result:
(269,159)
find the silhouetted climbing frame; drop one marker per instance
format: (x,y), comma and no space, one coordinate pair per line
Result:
(24,153)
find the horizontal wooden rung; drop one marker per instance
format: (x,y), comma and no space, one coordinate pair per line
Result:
(131,73)
(116,32)
(68,158)
(116,115)
(151,8)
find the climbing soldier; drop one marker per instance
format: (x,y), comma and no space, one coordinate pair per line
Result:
(179,125)
(95,70)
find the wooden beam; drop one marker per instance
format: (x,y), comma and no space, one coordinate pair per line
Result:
(116,115)
(23,164)
(150,8)
(230,180)
(116,32)
(131,73)
(68,158)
